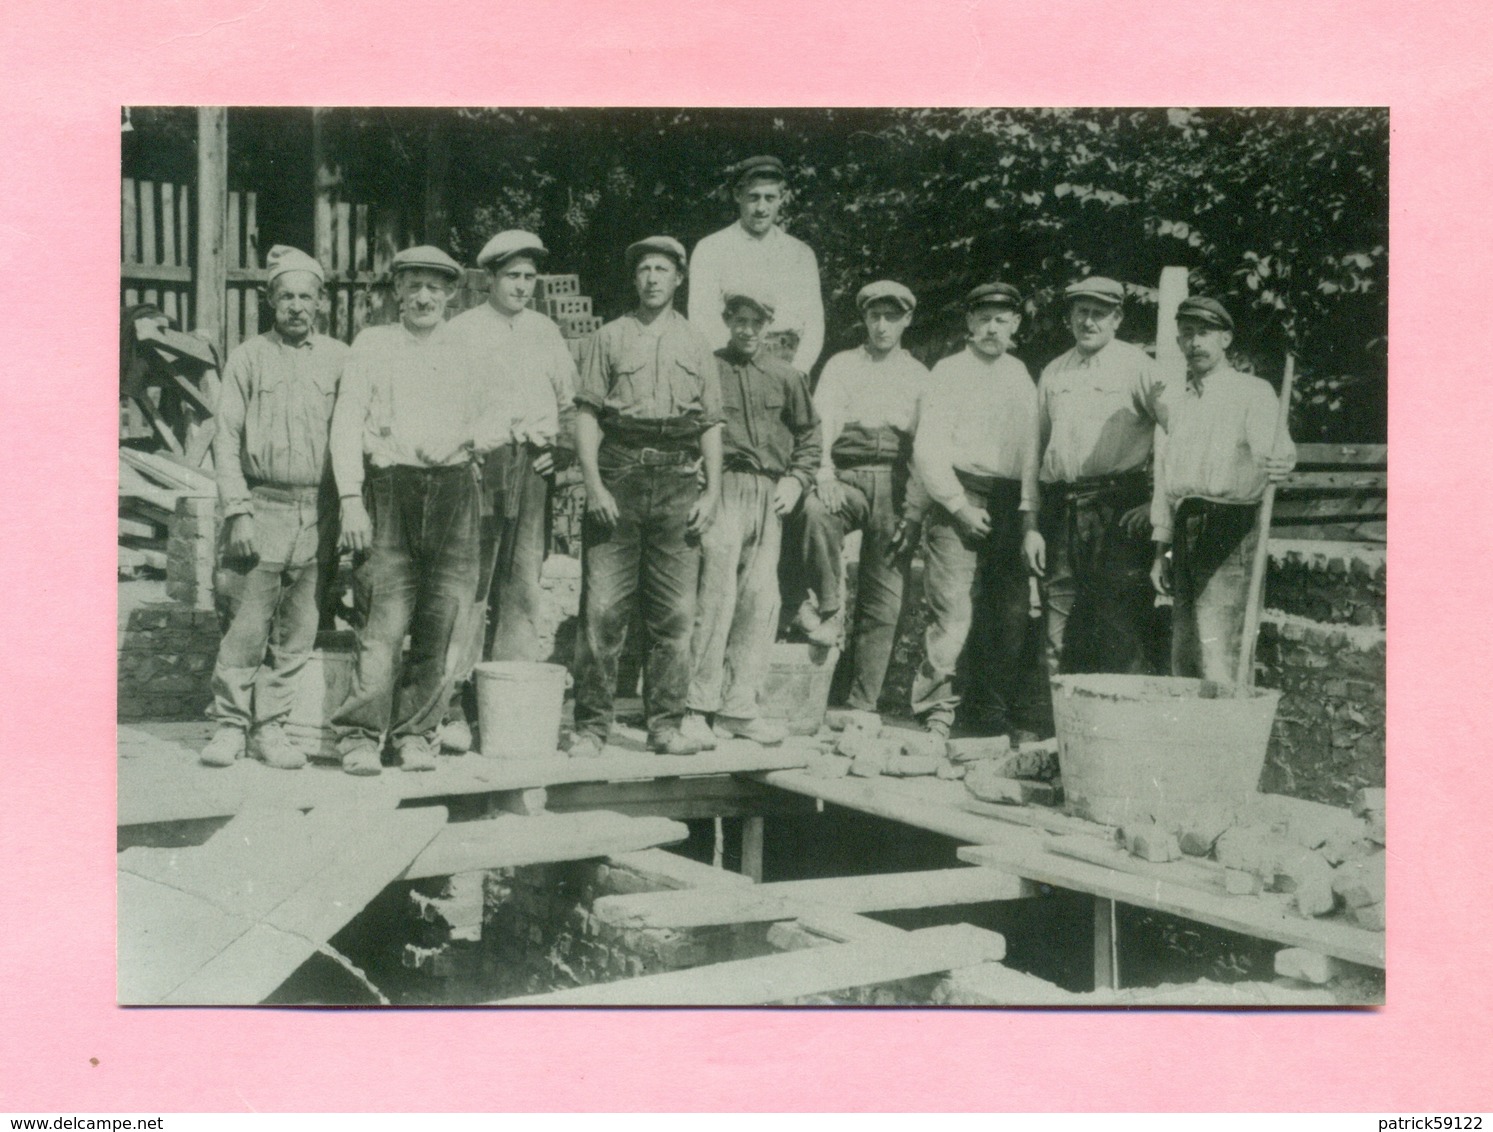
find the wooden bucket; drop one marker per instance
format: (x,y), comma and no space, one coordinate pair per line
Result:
(797,687)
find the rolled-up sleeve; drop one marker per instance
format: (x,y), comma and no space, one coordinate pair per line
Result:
(594,379)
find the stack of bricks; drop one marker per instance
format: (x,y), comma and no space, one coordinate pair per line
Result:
(1322,644)
(166,654)
(191,547)
(559,298)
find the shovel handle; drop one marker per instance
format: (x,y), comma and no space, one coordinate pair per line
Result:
(1244,680)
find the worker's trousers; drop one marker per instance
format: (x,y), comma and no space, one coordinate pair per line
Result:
(736,615)
(1212,555)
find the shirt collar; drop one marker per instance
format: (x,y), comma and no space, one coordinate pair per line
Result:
(306,343)
(772,233)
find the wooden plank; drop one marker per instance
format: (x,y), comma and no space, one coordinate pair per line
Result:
(791,900)
(360,260)
(1336,481)
(1329,509)
(140,528)
(385,241)
(129,222)
(183,233)
(157,422)
(234,299)
(846,927)
(683,799)
(148,223)
(344,225)
(132,482)
(155,273)
(168,224)
(753,833)
(1258,916)
(509,840)
(234,247)
(171,474)
(1106,945)
(168,305)
(209,296)
(793,974)
(1363,455)
(250,256)
(326,178)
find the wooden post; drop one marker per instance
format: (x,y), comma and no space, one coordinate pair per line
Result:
(210,292)
(437,166)
(1106,946)
(752,829)
(328,175)
(1169,296)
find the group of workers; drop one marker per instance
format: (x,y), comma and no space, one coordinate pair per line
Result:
(431,445)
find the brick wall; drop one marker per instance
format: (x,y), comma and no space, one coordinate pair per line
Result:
(166,654)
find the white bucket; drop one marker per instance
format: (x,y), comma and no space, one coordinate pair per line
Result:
(518,708)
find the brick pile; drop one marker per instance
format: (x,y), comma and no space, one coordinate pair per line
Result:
(166,654)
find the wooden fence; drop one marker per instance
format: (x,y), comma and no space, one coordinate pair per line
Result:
(156,242)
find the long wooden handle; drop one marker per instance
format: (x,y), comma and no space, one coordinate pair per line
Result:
(1245,679)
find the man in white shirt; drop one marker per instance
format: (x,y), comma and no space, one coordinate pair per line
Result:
(867,402)
(1222,447)
(975,456)
(755,255)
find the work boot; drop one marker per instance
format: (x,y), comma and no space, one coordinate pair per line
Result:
(455,736)
(273,747)
(827,633)
(585,746)
(225,748)
(767,732)
(363,760)
(852,719)
(672,741)
(415,753)
(696,728)
(938,724)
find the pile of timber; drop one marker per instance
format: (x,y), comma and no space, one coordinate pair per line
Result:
(150,483)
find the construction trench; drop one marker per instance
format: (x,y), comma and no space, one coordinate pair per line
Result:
(843,868)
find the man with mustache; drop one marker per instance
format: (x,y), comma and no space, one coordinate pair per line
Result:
(409,423)
(755,254)
(649,414)
(270,451)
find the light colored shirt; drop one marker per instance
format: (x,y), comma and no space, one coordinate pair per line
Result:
(274,415)
(857,389)
(777,263)
(526,353)
(1097,414)
(659,371)
(1218,433)
(979,417)
(406,401)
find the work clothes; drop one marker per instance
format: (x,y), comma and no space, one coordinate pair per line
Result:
(526,354)
(270,450)
(774,263)
(868,407)
(422,571)
(1097,417)
(273,413)
(1211,562)
(655,389)
(771,431)
(974,586)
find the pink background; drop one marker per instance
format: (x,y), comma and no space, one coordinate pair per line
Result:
(67,68)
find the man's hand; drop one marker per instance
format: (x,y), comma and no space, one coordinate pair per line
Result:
(1137,521)
(1161,570)
(1277,468)
(830,493)
(786,495)
(601,505)
(544,463)
(1034,553)
(357,528)
(702,514)
(904,539)
(973,521)
(241,536)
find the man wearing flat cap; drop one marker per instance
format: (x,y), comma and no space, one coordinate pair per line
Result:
(771,454)
(522,353)
(410,420)
(1097,419)
(867,402)
(1221,449)
(975,456)
(650,414)
(270,451)
(755,254)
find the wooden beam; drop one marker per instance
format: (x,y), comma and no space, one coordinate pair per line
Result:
(792,900)
(1359,455)
(1336,481)
(327,177)
(211,281)
(793,974)
(509,840)
(129,222)
(155,273)
(753,830)
(1106,945)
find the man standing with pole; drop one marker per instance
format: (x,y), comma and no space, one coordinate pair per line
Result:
(1225,441)
(649,412)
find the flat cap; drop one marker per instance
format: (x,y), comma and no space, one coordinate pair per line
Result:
(1205,310)
(993,295)
(886,289)
(283,258)
(426,256)
(505,245)
(751,297)
(1096,287)
(656,245)
(762,166)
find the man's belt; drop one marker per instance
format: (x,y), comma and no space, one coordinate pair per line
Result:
(744,465)
(986,487)
(665,435)
(286,493)
(1090,489)
(426,471)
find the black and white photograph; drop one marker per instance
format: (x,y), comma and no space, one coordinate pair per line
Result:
(669,557)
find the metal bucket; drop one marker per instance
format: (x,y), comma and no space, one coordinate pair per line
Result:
(1136,746)
(518,708)
(797,687)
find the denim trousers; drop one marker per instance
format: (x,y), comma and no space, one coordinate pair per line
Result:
(273,629)
(977,599)
(422,573)
(736,616)
(1097,593)
(649,548)
(1212,556)
(872,505)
